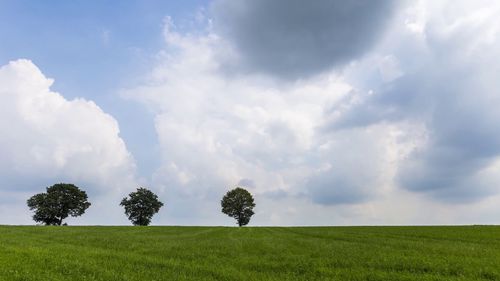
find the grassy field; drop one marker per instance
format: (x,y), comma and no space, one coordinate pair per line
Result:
(219,253)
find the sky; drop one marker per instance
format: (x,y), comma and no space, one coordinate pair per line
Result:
(362,112)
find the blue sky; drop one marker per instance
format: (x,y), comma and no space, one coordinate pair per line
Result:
(95,49)
(330,112)
(104,40)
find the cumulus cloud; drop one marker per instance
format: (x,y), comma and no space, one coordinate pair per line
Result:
(217,131)
(411,116)
(407,118)
(47,139)
(294,39)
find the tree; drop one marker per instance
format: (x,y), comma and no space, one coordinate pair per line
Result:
(238,204)
(140,206)
(60,201)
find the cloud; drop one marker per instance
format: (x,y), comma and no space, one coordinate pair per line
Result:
(329,113)
(357,165)
(217,131)
(451,90)
(386,133)
(246,183)
(48,139)
(294,39)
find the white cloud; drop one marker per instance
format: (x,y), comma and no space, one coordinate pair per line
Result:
(46,139)
(216,129)
(335,138)
(406,133)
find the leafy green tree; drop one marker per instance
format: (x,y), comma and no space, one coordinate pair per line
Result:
(60,201)
(140,206)
(238,204)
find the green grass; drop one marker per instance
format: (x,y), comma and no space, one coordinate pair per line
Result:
(219,253)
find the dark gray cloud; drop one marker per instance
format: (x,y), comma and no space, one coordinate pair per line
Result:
(295,38)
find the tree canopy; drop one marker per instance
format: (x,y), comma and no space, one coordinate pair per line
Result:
(140,206)
(238,204)
(60,201)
